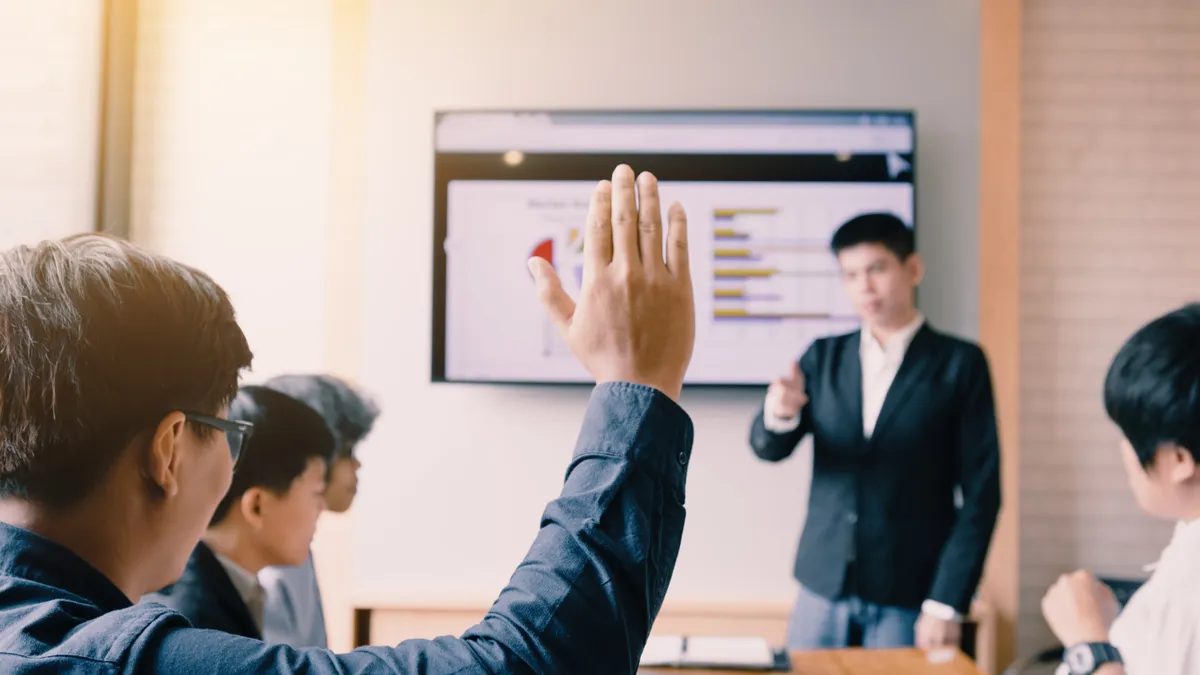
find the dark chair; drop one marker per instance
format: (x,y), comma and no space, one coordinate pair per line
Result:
(1046,660)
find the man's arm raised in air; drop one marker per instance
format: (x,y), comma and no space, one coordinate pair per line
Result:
(584,599)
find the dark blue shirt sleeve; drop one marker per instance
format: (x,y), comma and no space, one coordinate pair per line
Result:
(584,598)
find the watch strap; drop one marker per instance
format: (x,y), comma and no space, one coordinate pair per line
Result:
(1087,658)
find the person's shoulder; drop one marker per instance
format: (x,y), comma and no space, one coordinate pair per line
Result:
(829,343)
(72,632)
(957,345)
(189,593)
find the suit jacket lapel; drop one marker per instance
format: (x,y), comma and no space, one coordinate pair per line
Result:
(919,357)
(850,376)
(226,594)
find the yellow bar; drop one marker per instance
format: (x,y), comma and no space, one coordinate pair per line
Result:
(729,292)
(744,273)
(726,213)
(729,312)
(731,252)
(726,232)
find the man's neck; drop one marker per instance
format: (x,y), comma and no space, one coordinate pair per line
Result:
(229,541)
(103,546)
(885,330)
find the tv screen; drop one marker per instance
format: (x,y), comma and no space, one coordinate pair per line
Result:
(764,192)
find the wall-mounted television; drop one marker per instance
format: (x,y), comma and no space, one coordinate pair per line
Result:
(764,192)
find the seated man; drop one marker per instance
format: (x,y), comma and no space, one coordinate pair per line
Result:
(118,366)
(268,517)
(1152,393)
(294,614)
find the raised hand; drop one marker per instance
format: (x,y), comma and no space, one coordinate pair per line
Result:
(786,396)
(635,320)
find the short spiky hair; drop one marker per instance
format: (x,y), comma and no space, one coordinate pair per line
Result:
(349,413)
(1152,390)
(884,229)
(287,434)
(99,340)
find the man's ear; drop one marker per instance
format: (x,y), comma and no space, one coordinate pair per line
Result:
(1177,462)
(916,268)
(251,506)
(164,455)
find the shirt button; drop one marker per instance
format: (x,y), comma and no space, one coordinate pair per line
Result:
(682,459)
(852,517)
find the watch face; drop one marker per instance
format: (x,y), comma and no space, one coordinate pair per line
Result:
(1080,659)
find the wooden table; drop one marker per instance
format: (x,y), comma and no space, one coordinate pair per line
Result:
(854,662)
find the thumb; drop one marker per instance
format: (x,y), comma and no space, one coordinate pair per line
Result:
(554,299)
(794,375)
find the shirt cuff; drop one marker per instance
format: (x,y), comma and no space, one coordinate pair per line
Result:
(940,611)
(778,425)
(637,423)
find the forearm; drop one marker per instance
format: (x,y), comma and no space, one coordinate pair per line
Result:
(582,601)
(961,564)
(604,557)
(775,446)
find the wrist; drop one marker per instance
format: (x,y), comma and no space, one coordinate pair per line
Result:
(1092,658)
(1087,635)
(672,390)
(941,611)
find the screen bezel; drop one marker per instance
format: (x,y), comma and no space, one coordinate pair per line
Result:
(437,352)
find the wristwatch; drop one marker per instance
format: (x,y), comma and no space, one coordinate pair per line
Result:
(1086,658)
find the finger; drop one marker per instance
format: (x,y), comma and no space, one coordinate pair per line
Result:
(794,378)
(624,218)
(598,239)
(922,635)
(677,243)
(558,304)
(649,222)
(793,401)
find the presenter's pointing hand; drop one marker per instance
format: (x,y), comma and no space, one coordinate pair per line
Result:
(635,320)
(786,396)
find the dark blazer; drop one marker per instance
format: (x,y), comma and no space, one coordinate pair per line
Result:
(887,504)
(207,597)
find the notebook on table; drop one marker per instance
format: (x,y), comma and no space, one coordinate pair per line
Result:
(712,653)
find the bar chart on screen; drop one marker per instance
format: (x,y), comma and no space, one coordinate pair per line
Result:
(766,270)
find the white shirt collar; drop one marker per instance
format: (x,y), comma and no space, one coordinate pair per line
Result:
(245,583)
(895,345)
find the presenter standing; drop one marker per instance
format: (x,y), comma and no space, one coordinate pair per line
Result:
(903,422)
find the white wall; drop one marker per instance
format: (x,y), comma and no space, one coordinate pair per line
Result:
(231,160)
(49,105)
(456,476)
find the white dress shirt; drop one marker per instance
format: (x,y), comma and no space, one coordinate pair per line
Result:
(879,363)
(247,587)
(1158,631)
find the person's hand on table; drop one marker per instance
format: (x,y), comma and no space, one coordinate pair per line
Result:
(935,633)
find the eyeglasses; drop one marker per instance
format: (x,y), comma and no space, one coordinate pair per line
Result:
(237,432)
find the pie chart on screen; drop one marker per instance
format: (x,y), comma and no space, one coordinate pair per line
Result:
(544,250)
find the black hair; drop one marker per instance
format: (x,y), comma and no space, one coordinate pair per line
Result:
(350,413)
(1152,390)
(99,341)
(884,229)
(287,435)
